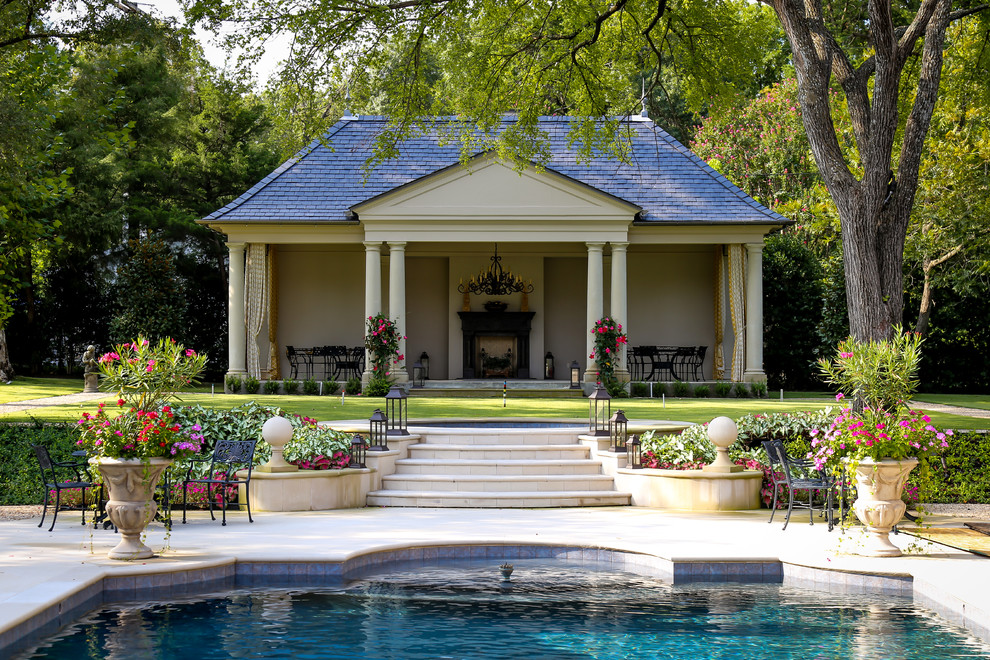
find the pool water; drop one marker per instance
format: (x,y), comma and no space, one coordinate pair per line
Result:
(550,610)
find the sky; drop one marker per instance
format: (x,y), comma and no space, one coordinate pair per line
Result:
(275,51)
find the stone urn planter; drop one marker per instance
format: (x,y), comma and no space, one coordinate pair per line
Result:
(878,502)
(131,507)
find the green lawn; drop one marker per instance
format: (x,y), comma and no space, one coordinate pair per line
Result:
(330,408)
(981,401)
(24,388)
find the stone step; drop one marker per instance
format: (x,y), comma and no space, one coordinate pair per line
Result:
(503,500)
(511,437)
(492,466)
(492,483)
(499,452)
(487,393)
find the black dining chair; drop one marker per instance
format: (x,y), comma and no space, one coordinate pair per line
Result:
(229,457)
(798,474)
(59,476)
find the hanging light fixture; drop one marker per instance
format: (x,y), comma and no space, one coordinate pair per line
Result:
(495,281)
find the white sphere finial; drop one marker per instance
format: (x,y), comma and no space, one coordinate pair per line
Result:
(722,431)
(277,432)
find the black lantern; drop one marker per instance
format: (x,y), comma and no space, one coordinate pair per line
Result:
(378,436)
(575,375)
(419,374)
(359,449)
(548,366)
(599,412)
(424,360)
(635,452)
(397,409)
(618,431)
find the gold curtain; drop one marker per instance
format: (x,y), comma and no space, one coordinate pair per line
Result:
(737,307)
(718,363)
(274,357)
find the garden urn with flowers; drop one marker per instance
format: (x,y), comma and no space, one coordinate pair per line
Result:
(877,438)
(133,446)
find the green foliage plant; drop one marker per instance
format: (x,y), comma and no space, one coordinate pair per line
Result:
(741,390)
(330,387)
(252,385)
(759,389)
(377,387)
(272,387)
(318,448)
(639,389)
(723,389)
(702,391)
(311,387)
(290,386)
(681,389)
(608,343)
(232,383)
(353,385)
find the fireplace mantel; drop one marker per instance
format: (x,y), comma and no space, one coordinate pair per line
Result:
(495,324)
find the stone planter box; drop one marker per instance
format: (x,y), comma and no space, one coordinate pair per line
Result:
(310,490)
(691,490)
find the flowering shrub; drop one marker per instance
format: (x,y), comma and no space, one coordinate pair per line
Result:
(137,433)
(880,375)
(145,378)
(318,448)
(609,339)
(876,434)
(382,341)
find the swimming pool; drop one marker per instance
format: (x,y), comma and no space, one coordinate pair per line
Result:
(551,609)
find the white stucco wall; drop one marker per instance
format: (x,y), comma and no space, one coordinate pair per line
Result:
(427,312)
(565,309)
(320,297)
(671,297)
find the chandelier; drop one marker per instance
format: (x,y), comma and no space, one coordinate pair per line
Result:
(495,281)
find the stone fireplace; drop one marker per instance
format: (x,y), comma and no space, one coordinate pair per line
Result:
(500,334)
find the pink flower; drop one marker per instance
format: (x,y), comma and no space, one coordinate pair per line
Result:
(845,355)
(839,396)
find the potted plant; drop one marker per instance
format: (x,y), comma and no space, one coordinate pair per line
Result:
(133,446)
(877,438)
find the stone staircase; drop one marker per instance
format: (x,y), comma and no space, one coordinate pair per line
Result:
(504,468)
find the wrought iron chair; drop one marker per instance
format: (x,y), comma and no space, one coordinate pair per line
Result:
(798,474)
(352,364)
(662,363)
(59,476)
(229,458)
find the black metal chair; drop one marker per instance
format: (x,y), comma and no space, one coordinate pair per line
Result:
(59,476)
(352,364)
(798,474)
(662,363)
(229,458)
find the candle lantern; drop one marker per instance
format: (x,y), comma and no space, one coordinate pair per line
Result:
(359,449)
(424,360)
(575,375)
(599,411)
(635,452)
(618,429)
(397,411)
(548,366)
(378,433)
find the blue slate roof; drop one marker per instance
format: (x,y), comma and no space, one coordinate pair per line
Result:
(665,179)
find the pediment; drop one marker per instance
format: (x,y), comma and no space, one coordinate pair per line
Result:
(488,189)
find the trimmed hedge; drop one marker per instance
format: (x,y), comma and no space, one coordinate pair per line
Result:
(965,477)
(20,478)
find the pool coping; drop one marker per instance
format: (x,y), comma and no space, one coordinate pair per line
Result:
(60,602)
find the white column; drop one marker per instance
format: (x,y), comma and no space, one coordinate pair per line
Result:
(619,303)
(397,301)
(372,292)
(595,284)
(754,312)
(236,329)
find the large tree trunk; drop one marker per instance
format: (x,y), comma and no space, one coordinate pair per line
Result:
(6,368)
(874,211)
